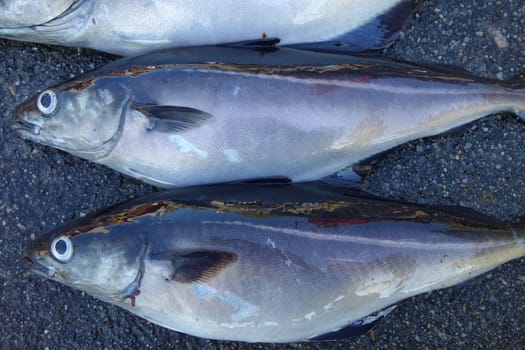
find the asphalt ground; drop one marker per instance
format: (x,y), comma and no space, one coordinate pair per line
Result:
(478,166)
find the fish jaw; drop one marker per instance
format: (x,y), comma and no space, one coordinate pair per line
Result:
(28,122)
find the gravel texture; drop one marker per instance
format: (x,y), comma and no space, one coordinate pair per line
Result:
(479,166)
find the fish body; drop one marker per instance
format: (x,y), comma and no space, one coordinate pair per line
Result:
(269,264)
(218,114)
(135,26)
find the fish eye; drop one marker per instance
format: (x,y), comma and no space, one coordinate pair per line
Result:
(62,249)
(47,102)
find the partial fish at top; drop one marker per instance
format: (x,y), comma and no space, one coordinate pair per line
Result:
(202,115)
(138,26)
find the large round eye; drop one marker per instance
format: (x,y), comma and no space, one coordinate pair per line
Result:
(62,249)
(47,102)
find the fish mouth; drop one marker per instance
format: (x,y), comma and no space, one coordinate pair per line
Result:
(25,128)
(30,264)
(25,262)
(21,124)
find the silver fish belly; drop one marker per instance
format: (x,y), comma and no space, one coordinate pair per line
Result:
(136,26)
(268,264)
(175,119)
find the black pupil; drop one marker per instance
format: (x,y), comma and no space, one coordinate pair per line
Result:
(45,100)
(61,247)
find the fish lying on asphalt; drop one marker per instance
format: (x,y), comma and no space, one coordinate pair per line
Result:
(136,26)
(270,264)
(219,114)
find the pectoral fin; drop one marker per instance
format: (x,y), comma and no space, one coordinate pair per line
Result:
(171,119)
(196,266)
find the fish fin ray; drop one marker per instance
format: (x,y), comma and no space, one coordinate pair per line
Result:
(171,119)
(378,33)
(197,266)
(356,328)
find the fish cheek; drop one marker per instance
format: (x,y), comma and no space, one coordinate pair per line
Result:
(91,118)
(105,262)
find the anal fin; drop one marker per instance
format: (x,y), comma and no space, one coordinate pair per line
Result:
(356,328)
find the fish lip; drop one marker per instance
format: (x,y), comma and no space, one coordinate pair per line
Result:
(25,262)
(25,127)
(22,123)
(30,264)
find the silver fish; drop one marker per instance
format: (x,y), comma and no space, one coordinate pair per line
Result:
(219,114)
(270,264)
(137,26)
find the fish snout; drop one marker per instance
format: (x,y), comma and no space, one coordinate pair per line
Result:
(34,260)
(28,121)
(26,262)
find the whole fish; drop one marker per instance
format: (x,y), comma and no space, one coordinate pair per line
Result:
(136,26)
(218,114)
(269,264)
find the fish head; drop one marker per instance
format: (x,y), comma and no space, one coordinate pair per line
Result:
(85,120)
(98,263)
(51,22)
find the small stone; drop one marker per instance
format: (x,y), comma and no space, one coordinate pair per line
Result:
(498,37)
